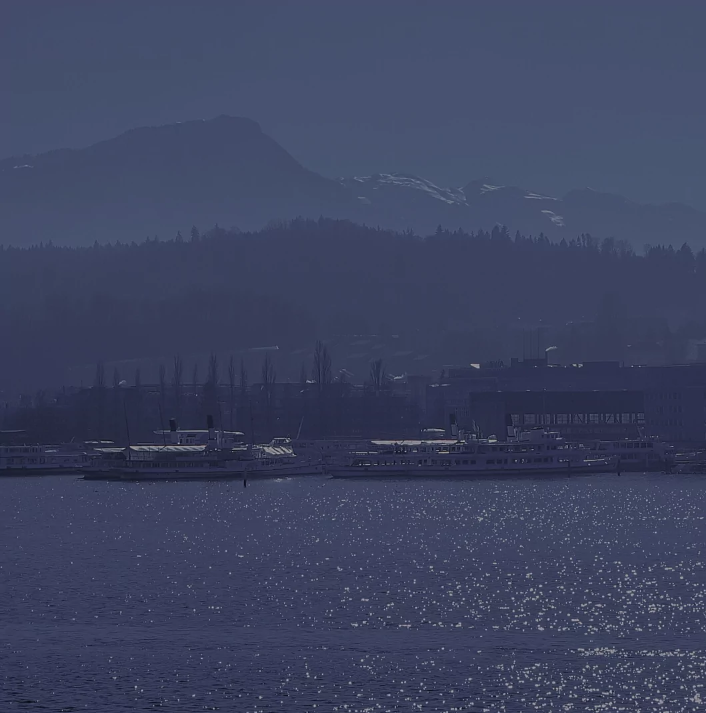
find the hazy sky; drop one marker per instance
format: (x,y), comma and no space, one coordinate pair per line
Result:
(549,95)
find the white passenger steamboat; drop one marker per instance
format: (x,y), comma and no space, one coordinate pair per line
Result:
(200,455)
(535,452)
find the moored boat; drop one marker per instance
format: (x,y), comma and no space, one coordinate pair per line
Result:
(278,459)
(19,460)
(536,452)
(206,455)
(635,454)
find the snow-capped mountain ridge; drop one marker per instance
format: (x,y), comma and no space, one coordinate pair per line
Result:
(157,180)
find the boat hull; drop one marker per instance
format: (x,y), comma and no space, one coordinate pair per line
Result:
(244,472)
(138,475)
(31,472)
(288,471)
(451,472)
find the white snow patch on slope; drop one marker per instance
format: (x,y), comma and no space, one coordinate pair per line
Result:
(487,188)
(540,197)
(558,220)
(451,196)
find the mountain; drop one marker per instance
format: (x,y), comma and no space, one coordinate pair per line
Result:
(401,201)
(157,180)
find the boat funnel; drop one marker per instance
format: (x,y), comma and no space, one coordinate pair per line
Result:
(453,425)
(173,434)
(211,428)
(510,426)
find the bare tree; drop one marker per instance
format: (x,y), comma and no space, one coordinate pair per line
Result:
(377,375)
(162,379)
(269,377)
(99,391)
(177,381)
(137,402)
(244,405)
(99,380)
(268,371)
(212,370)
(116,402)
(321,374)
(321,371)
(210,388)
(231,386)
(243,378)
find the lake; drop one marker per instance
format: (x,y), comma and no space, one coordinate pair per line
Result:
(581,594)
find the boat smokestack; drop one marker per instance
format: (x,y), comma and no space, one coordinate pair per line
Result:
(510,426)
(453,426)
(211,428)
(173,434)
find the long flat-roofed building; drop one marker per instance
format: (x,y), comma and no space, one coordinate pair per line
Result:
(595,399)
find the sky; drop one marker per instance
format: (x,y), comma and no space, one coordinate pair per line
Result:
(547,95)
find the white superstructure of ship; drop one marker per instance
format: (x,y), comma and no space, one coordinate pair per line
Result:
(42,460)
(641,454)
(535,452)
(278,458)
(200,455)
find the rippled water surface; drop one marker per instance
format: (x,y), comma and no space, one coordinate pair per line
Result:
(499,595)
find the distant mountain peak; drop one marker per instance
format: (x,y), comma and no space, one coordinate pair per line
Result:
(226,170)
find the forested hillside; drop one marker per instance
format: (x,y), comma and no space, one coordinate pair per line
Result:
(452,296)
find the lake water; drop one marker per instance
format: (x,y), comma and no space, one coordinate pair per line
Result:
(585,594)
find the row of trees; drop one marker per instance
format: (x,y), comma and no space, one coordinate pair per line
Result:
(114,410)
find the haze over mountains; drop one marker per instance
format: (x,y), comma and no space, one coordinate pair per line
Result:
(158,180)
